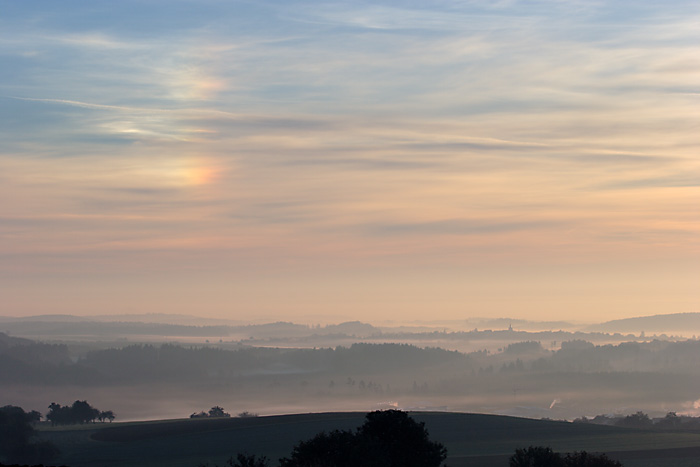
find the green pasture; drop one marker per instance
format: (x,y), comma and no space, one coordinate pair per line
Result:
(471,440)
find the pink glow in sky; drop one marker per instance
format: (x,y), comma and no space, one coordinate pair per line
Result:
(377,161)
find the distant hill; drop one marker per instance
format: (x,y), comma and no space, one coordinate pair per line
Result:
(521,324)
(350,328)
(165,318)
(44,318)
(481,323)
(157,318)
(6,340)
(173,325)
(157,324)
(72,329)
(686,323)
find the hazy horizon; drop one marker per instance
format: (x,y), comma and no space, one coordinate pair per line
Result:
(373,161)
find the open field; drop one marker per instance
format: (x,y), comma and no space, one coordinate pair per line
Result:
(471,439)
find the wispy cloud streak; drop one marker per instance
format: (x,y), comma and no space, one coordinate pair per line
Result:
(253,139)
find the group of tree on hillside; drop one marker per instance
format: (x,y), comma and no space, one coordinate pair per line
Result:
(78,412)
(672,421)
(214,412)
(17,429)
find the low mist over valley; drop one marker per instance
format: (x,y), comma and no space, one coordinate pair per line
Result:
(169,368)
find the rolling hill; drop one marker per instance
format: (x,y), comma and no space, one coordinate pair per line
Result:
(672,323)
(472,440)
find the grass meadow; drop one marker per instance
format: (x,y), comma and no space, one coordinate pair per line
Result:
(472,439)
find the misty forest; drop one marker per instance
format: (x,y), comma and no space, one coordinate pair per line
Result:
(64,368)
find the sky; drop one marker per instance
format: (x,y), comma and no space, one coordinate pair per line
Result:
(330,161)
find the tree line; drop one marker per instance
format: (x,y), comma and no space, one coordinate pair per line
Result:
(78,412)
(17,430)
(671,421)
(214,412)
(30,362)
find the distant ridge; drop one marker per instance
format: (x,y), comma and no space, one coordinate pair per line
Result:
(47,318)
(165,318)
(171,325)
(521,324)
(177,324)
(350,328)
(674,322)
(6,340)
(156,318)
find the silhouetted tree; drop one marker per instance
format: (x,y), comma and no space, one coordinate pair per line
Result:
(218,412)
(214,412)
(395,439)
(540,456)
(34,416)
(670,421)
(536,456)
(584,459)
(335,449)
(106,415)
(636,420)
(58,415)
(245,460)
(387,439)
(242,460)
(16,432)
(79,412)
(82,412)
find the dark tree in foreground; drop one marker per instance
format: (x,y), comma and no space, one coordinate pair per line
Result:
(392,438)
(16,432)
(539,456)
(387,439)
(584,459)
(244,460)
(335,449)
(536,456)
(27,465)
